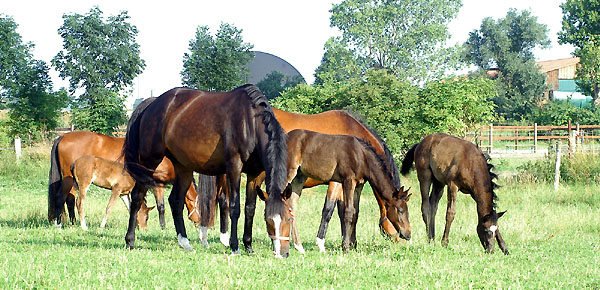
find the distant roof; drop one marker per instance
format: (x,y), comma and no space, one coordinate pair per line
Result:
(550,65)
(265,63)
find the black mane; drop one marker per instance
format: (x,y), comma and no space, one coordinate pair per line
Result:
(389,158)
(380,161)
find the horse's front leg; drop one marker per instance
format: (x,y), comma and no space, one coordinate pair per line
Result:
(183,180)
(252,187)
(223,201)
(234,172)
(115,193)
(137,197)
(349,211)
(159,196)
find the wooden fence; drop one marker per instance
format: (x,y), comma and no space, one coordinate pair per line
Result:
(528,136)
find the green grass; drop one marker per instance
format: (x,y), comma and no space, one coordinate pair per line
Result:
(554,239)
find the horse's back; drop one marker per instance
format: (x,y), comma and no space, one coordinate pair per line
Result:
(80,143)
(450,158)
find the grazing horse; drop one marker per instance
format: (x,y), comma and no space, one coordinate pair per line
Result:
(73,145)
(107,174)
(331,122)
(440,160)
(346,160)
(211,133)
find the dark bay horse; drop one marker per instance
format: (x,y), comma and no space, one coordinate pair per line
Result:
(346,160)
(107,174)
(331,122)
(444,160)
(73,145)
(211,133)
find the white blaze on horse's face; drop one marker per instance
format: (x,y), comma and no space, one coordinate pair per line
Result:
(276,241)
(493,228)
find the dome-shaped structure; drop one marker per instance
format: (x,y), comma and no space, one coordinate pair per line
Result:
(265,63)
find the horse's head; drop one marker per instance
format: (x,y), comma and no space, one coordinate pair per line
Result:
(142,217)
(278,218)
(191,203)
(397,214)
(487,230)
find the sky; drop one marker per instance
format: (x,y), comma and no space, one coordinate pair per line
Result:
(293,30)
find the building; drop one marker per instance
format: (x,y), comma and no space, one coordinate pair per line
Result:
(265,63)
(561,79)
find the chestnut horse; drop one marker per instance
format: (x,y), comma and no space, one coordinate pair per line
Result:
(211,133)
(330,122)
(442,159)
(107,174)
(73,145)
(346,160)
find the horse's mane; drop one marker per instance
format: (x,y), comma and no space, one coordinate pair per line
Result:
(389,158)
(138,110)
(380,161)
(276,148)
(493,176)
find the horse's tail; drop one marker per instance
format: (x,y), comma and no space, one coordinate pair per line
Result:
(141,174)
(275,155)
(207,199)
(409,158)
(54,180)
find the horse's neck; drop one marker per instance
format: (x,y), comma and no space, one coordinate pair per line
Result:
(484,203)
(378,177)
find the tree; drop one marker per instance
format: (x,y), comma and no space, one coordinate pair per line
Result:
(25,86)
(339,63)
(276,82)
(219,63)
(14,55)
(404,37)
(581,28)
(102,58)
(507,45)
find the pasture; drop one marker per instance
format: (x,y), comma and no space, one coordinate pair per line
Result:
(553,238)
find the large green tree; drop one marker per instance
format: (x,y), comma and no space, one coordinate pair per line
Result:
(581,28)
(102,57)
(276,82)
(218,63)
(506,45)
(14,55)
(403,37)
(25,86)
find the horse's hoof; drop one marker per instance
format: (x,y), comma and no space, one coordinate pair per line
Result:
(299,248)
(236,252)
(321,244)
(224,238)
(184,243)
(249,249)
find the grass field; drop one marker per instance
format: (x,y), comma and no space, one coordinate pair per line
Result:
(554,239)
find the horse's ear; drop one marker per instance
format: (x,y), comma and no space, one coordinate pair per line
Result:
(500,214)
(287,192)
(261,194)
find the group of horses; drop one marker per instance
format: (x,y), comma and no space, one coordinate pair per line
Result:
(222,134)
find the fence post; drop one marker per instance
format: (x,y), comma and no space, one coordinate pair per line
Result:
(557,167)
(535,135)
(18,147)
(578,143)
(569,134)
(491,138)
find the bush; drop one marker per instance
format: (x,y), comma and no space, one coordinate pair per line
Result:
(579,168)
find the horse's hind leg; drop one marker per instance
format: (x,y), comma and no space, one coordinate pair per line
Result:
(425,185)
(83,187)
(297,185)
(137,197)
(223,200)
(450,212)
(434,200)
(357,192)
(113,198)
(183,180)
(333,195)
